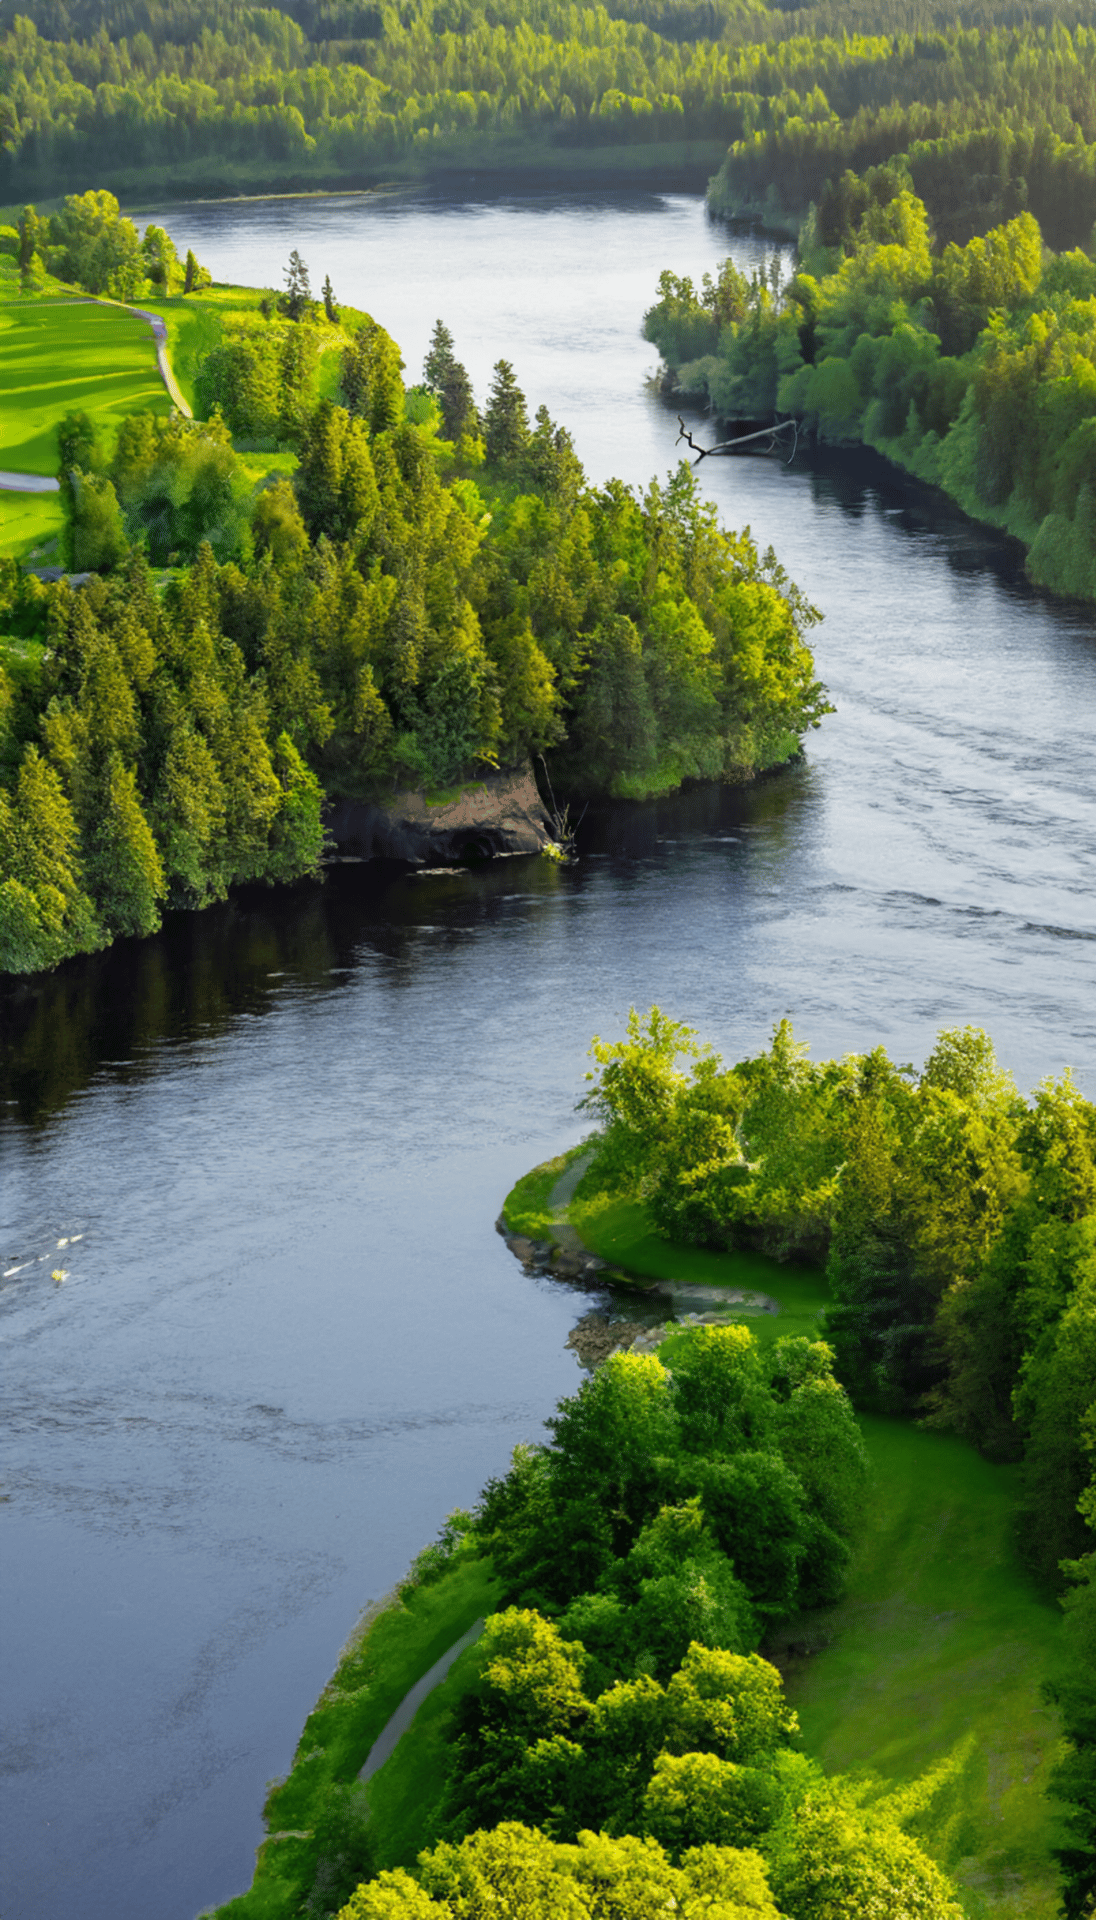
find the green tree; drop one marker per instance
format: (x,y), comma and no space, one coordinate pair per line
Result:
(297,298)
(506,421)
(123,861)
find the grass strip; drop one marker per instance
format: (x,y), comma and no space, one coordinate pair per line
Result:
(525,1208)
(371,1679)
(941,1634)
(29,522)
(404,1794)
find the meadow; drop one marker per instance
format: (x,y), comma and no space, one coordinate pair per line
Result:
(68,354)
(61,353)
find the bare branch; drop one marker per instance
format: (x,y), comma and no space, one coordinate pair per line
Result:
(729,446)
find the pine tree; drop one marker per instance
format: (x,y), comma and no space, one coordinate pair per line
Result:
(506,422)
(298,289)
(448,381)
(329,306)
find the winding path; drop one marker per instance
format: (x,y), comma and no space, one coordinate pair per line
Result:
(387,1740)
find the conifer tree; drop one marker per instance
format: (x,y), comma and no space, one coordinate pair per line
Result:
(506,422)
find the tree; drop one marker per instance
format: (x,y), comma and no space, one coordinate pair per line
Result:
(448,381)
(829,1861)
(506,422)
(516,1873)
(98,534)
(45,909)
(195,276)
(161,261)
(370,383)
(94,247)
(329,306)
(336,484)
(298,292)
(123,861)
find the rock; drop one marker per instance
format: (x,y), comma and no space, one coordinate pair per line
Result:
(501,814)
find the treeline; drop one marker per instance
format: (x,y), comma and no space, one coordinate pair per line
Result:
(994,118)
(987,124)
(957,1222)
(432,593)
(974,367)
(620,1748)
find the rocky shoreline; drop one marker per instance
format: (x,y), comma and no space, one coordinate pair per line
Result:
(502,813)
(602,1330)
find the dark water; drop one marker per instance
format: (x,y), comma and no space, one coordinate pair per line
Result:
(289,1340)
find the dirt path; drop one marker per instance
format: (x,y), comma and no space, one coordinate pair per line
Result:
(387,1740)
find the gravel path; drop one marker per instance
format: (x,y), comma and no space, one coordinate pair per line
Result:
(385,1743)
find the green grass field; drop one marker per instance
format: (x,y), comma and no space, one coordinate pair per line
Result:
(58,356)
(620,1232)
(29,523)
(941,1634)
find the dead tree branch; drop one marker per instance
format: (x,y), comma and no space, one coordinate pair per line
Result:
(730,446)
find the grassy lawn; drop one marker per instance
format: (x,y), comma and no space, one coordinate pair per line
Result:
(61,355)
(620,1232)
(404,1793)
(525,1208)
(940,1635)
(28,522)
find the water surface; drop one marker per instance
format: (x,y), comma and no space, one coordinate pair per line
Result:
(289,1340)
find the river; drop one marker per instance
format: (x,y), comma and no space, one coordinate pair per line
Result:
(289,1340)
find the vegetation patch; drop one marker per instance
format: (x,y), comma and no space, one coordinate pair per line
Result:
(525,1208)
(319,1807)
(62,355)
(942,1638)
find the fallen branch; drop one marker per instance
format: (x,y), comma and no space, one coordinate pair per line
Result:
(729,446)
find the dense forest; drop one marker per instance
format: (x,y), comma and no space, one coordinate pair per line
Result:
(432,592)
(957,1222)
(972,366)
(995,108)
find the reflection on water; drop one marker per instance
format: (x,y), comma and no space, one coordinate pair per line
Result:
(289,1340)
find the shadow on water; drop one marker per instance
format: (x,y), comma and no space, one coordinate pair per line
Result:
(206,970)
(116,1011)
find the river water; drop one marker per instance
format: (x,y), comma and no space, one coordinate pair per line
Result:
(289,1340)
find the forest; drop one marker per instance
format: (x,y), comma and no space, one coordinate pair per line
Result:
(993,104)
(617,1741)
(432,591)
(972,366)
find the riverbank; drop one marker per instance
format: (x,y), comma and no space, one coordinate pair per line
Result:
(317,1841)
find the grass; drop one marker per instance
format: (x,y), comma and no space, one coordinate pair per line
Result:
(370,1681)
(62,355)
(29,522)
(941,1634)
(620,1231)
(525,1208)
(447,796)
(404,1793)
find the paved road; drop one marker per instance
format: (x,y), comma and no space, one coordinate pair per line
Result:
(28,483)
